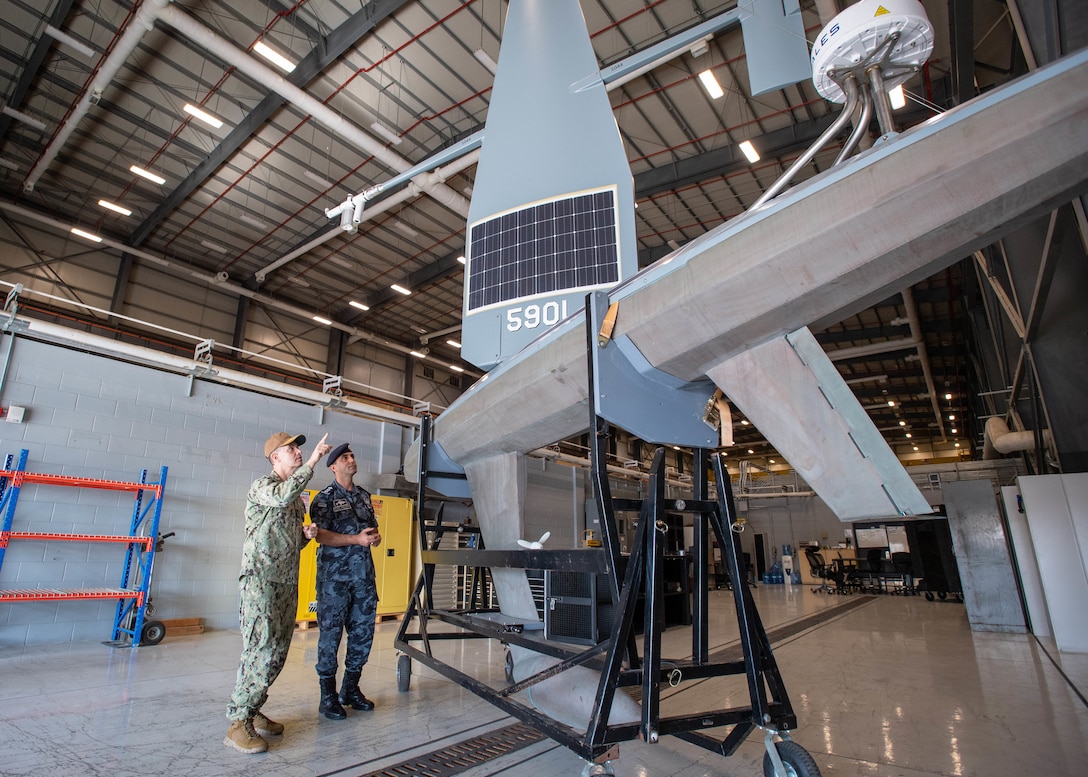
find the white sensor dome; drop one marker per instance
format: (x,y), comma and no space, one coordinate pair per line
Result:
(858,32)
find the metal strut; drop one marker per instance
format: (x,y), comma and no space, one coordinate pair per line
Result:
(635,584)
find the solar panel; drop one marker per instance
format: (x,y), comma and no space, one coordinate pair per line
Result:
(558,245)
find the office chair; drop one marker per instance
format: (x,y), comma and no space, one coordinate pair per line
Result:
(822,572)
(901,563)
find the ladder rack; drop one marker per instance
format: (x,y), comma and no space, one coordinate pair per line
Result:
(132,594)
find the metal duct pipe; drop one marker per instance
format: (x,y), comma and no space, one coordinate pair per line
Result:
(390,202)
(999,440)
(228,52)
(130,39)
(211,280)
(923,356)
(171,363)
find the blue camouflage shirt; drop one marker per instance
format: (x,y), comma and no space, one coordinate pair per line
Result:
(346,512)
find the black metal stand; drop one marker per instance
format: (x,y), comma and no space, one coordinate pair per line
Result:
(617,657)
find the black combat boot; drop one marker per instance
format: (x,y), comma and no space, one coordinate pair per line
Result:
(351,695)
(330,705)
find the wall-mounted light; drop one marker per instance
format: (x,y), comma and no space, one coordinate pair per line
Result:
(29,121)
(201,114)
(273,56)
(385,132)
(87,235)
(69,41)
(154,178)
(114,207)
(485,59)
(710,83)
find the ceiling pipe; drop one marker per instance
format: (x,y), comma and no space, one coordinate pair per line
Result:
(412,190)
(218,281)
(120,349)
(207,39)
(998,440)
(923,357)
(129,40)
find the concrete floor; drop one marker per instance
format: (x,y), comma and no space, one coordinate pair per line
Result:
(898,686)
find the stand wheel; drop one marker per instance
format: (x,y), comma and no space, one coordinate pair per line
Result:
(795,758)
(942,595)
(598,770)
(152,633)
(404,672)
(929,596)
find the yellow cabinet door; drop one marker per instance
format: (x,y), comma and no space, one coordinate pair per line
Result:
(393,558)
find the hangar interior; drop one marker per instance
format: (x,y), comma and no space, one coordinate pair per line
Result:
(176,319)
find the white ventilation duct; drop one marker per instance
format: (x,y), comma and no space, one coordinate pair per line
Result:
(999,440)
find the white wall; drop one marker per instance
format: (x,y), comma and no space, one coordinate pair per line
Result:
(96,417)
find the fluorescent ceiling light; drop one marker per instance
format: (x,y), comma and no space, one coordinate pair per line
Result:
(749,151)
(485,59)
(400,289)
(114,207)
(710,83)
(317,179)
(359,305)
(455,368)
(385,132)
(897,98)
(453,343)
(462,260)
(252,221)
(273,56)
(88,235)
(29,121)
(213,246)
(672,244)
(321,320)
(148,175)
(417,354)
(68,40)
(203,115)
(406,229)
(8,164)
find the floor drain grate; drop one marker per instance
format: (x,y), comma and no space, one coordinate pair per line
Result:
(461,756)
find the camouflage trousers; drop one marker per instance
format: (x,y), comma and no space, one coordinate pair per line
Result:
(267,623)
(345,605)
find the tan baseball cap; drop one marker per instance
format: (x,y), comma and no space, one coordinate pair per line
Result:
(280,439)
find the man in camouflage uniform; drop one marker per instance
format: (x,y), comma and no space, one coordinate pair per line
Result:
(347,596)
(269,584)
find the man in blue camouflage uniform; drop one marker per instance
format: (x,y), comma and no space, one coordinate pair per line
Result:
(347,596)
(269,584)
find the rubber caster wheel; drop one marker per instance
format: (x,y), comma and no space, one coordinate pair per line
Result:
(404,673)
(795,758)
(942,595)
(152,633)
(929,596)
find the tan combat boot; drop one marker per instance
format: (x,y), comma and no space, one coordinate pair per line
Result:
(241,736)
(266,726)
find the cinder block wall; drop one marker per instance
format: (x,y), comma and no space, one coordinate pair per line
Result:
(96,417)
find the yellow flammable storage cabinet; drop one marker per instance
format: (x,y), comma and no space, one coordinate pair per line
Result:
(392,559)
(307,571)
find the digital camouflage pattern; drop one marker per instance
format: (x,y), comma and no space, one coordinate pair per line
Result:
(347,596)
(269,585)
